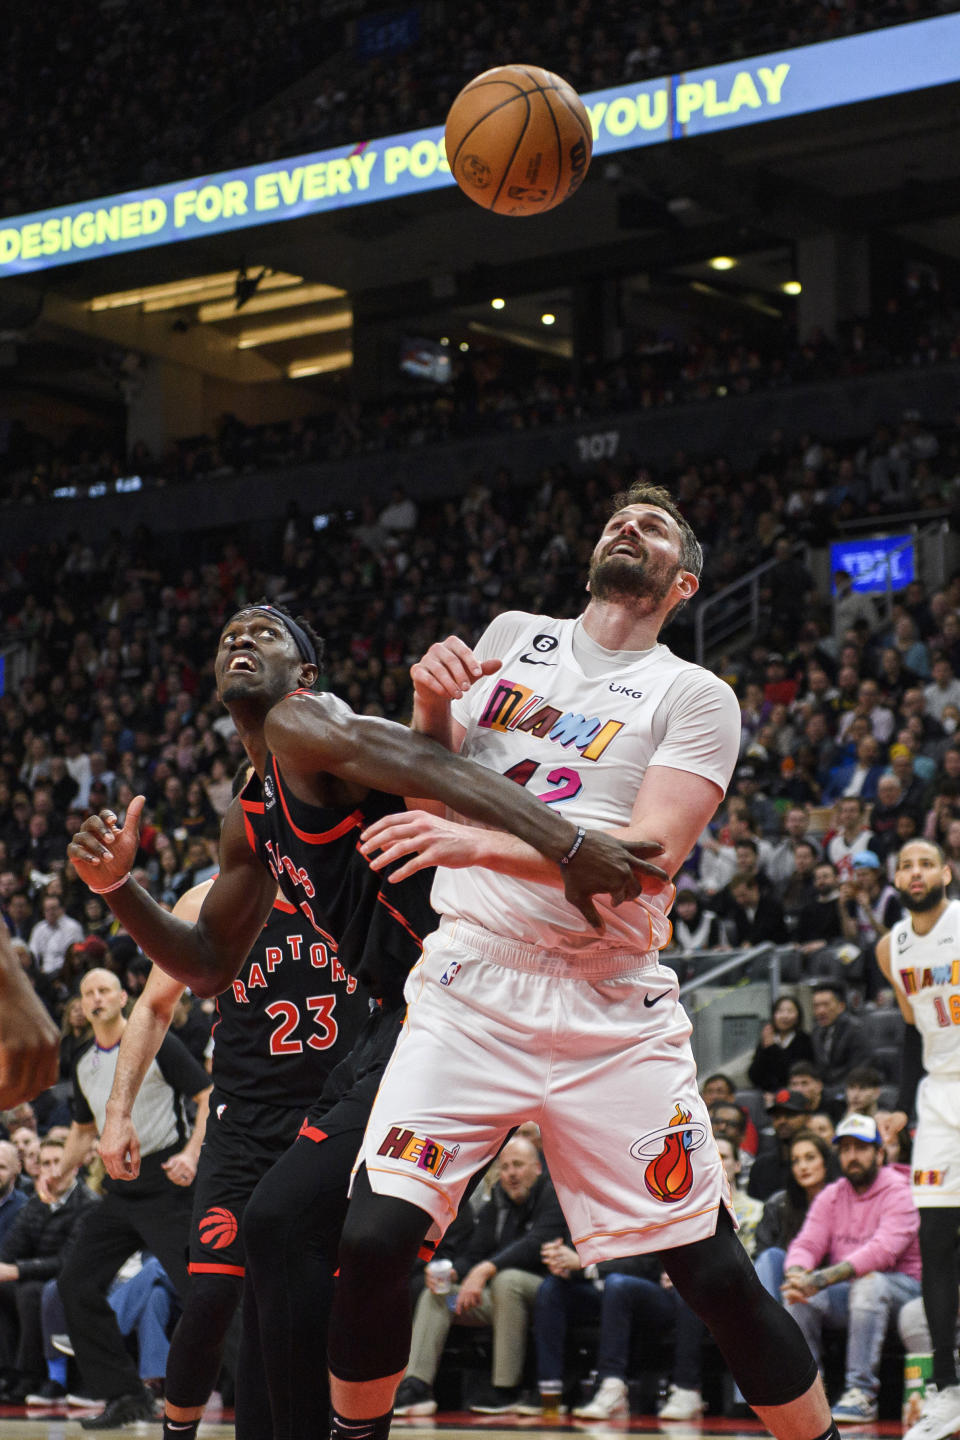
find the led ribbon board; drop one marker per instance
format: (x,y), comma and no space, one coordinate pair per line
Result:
(699,102)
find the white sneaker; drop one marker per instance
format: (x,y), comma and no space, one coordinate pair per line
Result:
(939,1417)
(80,1402)
(681,1404)
(609,1401)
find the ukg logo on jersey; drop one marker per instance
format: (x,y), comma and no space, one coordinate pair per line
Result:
(513,706)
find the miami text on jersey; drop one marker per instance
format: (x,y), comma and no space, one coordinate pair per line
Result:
(513,706)
(914,980)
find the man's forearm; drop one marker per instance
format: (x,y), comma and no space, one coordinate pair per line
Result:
(386,756)
(181,950)
(76,1145)
(833,1274)
(195,1144)
(139,1044)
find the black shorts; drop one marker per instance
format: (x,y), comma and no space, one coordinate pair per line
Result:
(348,1095)
(243,1140)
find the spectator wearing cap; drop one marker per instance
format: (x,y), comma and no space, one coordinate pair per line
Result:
(788,1111)
(50,937)
(839,1042)
(870,905)
(855,1262)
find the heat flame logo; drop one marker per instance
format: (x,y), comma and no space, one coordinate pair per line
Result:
(669,1176)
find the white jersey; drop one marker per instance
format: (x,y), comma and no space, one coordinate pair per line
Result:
(583,744)
(926,969)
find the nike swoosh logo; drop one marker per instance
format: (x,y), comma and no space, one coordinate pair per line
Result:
(656,998)
(529,660)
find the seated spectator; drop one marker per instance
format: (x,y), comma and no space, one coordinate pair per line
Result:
(781,859)
(859,776)
(871,905)
(862,1091)
(839,1042)
(799,890)
(754,918)
(27,1141)
(883,816)
(806,1078)
(50,938)
(782,1042)
(719,1089)
(944,687)
(75,1035)
(621,1294)
(695,927)
(31,1254)
(12,1199)
(729,1121)
(880,718)
(813,1162)
(849,835)
(788,1111)
(820,922)
(501,1268)
(822,1124)
(855,1262)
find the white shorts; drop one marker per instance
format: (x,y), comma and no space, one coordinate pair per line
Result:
(936,1146)
(498,1032)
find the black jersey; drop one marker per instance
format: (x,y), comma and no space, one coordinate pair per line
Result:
(377,928)
(292,1014)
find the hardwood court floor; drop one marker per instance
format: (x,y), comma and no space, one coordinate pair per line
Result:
(56,1423)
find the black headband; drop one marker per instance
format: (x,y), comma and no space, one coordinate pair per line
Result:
(300,637)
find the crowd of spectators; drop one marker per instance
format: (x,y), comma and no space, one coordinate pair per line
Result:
(135,96)
(498,391)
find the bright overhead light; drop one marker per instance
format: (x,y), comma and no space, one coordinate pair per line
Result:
(791,287)
(498,304)
(185,292)
(293,329)
(723,262)
(464,345)
(277,300)
(547,319)
(320,364)
(444,339)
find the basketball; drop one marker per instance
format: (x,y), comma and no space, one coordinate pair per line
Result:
(518,140)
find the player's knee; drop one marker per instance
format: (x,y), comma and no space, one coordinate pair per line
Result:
(210,1305)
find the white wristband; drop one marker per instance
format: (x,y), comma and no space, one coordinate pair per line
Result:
(107,888)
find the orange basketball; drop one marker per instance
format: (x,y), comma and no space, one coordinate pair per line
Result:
(518,140)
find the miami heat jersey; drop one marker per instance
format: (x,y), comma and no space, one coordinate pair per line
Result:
(583,744)
(376,929)
(291,1015)
(926,969)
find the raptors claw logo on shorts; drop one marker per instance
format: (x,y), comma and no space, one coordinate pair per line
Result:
(218,1228)
(669,1175)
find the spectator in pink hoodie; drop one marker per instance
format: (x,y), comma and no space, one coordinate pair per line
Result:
(862,1233)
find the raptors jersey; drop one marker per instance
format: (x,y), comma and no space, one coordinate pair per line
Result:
(926,969)
(291,1015)
(376,929)
(583,744)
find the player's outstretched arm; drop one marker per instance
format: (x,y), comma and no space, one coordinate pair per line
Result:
(29,1040)
(309,733)
(207,954)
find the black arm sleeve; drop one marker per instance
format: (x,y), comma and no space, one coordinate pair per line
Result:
(911,1070)
(181,1071)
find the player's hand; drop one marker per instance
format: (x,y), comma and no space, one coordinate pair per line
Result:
(120,1147)
(101,852)
(448,670)
(29,1040)
(605,865)
(180,1168)
(427,839)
